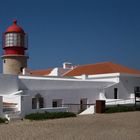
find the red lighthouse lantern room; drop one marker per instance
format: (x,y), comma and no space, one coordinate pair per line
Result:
(14,48)
(14,40)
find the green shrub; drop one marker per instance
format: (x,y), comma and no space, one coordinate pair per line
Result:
(121,108)
(48,115)
(3,120)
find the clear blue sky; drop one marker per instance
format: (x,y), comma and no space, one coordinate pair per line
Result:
(78,31)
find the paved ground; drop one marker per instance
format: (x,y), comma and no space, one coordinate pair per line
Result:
(117,126)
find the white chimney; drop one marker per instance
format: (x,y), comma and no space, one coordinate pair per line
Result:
(24,71)
(67,65)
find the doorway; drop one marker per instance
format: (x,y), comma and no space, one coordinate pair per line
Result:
(83,104)
(57,103)
(115,93)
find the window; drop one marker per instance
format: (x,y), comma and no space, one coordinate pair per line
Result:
(137,91)
(37,102)
(57,103)
(14,39)
(34,103)
(4,61)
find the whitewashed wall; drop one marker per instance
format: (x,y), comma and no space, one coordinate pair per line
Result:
(8,84)
(129,82)
(125,86)
(1,105)
(71,91)
(68,96)
(45,83)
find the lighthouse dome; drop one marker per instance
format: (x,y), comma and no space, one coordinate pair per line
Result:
(14,28)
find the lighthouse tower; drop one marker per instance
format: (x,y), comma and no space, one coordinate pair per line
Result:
(14,50)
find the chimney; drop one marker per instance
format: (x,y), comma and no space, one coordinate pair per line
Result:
(67,65)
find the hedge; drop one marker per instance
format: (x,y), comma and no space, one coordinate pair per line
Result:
(3,120)
(121,108)
(48,115)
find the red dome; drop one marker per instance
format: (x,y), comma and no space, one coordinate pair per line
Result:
(14,28)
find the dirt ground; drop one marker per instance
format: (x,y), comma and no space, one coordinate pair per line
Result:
(117,126)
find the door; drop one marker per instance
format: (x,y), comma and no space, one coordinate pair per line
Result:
(83,104)
(115,93)
(54,104)
(57,103)
(34,103)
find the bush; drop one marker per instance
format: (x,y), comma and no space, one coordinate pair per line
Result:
(121,108)
(48,115)
(3,120)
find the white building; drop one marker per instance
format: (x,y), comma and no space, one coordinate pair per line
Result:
(70,88)
(30,93)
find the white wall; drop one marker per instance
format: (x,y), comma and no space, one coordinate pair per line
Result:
(8,84)
(68,96)
(1,105)
(26,105)
(45,83)
(125,86)
(71,91)
(129,82)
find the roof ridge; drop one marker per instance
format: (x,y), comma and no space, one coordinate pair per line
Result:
(100,68)
(133,69)
(94,63)
(112,68)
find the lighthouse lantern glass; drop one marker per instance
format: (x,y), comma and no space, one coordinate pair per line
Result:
(14,39)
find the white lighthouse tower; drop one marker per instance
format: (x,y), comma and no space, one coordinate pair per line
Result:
(14,50)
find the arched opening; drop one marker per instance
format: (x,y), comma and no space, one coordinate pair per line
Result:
(37,102)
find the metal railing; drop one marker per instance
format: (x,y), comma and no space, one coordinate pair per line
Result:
(77,108)
(120,101)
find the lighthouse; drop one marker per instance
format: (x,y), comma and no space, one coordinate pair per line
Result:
(14,50)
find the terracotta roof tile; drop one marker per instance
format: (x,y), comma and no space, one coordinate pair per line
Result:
(101,68)
(41,72)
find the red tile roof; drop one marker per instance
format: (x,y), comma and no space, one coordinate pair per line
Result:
(41,72)
(100,68)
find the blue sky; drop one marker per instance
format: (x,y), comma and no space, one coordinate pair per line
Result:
(77,31)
